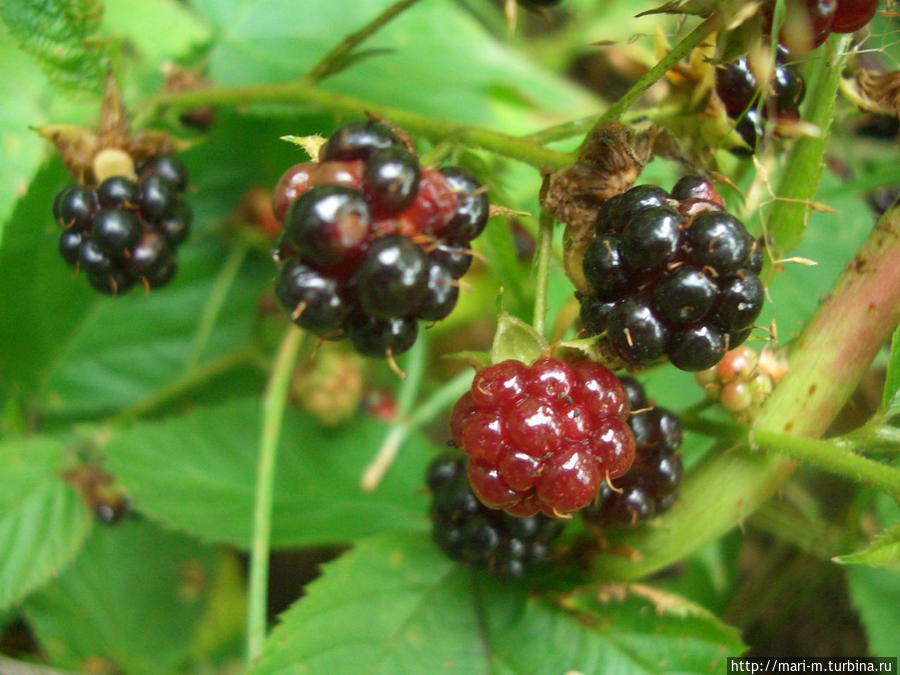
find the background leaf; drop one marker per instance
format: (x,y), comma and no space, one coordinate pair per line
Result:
(197,472)
(883,552)
(423,613)
(43,520)
(130,602)
(874,593)
(65,45)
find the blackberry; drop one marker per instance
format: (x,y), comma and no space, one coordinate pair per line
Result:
(851,15)
(372,242)
(468,532)
(114,231)
(651,485)
(357,140)
(312,300)
(542,437)
(391,180)
(472,206)
(736,86)
(676,278)
(328,225)
(125,231)
(392,278)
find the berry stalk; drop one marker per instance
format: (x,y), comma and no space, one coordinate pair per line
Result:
(301,93)
(274,402)
(827,362)
(544,253)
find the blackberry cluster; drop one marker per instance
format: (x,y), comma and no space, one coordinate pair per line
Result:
(738,88)
(542,437)
(372,241)
(671,274)
(125,231)
(471,533)
(651,486)
(808,23)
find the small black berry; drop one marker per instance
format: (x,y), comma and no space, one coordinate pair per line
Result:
(604,267)
(76,207)
(684,296)
(650,240)
(168,168)
(372,336)
(635,332)
(70,246)
(92,259)
(456,259)
(118,192)
(391,280)
(177,226)
(328,225)
(158,198)
(115,231)
(696,347)
(472,205)
(391,179)
(594,312)
(357,140)
(718,240)
(441,294)
(741,299)
(312,300)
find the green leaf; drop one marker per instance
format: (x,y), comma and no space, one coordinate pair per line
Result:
(59,35)
(883,552)
(131,601)
(515,339)
(258,45)
(890,399)
(397,604)
(160,30)
(209,460)
(43,521)
(876,595)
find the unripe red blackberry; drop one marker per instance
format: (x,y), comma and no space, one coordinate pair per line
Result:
(467,531)
(743,380)
(671,276)
(542,437)
(385,237)
(651,485)
(125,232)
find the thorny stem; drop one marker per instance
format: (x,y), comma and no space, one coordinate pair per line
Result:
(828,361)
(521,149)
(334,60)
(273,405)
(544,254)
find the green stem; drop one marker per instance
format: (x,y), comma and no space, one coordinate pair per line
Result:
(335,59)
(544,254)
(192,378)
(439,401)
(272,416)
(829,359)
(665,64)
(216,301)
(830,455)
(298,93)
(415,370)
(789,215)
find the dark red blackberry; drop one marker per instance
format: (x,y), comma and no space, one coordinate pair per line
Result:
(435,204)
(380,337)
(114,231)
(312,300)
(851,15)
(736,86)
(392,278)
(293,183)
(391,179)
(542,437)
(472,206)
(468,532)
(357,140)
(651,485)
(679,281)
(807,23)
(328,225)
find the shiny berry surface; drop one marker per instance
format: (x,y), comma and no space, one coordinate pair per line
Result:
(328,224)
(472,204)
(392,278)
(851,15)
(357,140)
(542,437)
(312,300)
(391,179)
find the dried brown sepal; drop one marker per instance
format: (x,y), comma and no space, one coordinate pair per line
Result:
(79,146)
(878,91)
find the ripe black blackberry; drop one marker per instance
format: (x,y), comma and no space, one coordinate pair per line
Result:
(651,485)
(470,533)
(372,241)
(124,231)
(737,86)
(671,275)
